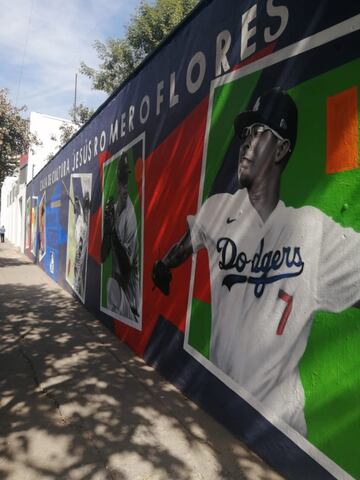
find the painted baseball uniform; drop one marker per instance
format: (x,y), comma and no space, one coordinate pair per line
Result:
(81,241)
(125,302)
(267,281)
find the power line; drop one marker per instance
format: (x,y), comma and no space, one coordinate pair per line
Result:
(24,52)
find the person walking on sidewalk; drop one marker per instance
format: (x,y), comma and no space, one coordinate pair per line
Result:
(2,233)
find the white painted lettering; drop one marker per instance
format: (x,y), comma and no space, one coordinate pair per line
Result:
(144,101)
(159,96)
(200,60)
(223,42)
(276,11)
(102,141)
(89,151)
(174,97)
(122,128)
(247,33)
(131,117)
(114,130)
(95,146)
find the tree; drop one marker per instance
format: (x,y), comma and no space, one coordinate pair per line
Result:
(148,27)
(15,137)
(79,116)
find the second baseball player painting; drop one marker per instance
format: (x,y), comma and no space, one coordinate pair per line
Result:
(121,247)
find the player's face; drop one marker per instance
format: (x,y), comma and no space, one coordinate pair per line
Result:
(258,146)
(123,192)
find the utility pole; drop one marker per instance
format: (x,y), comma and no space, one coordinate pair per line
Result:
(75,94)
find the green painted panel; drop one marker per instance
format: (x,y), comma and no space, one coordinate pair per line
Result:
(331,377)
(330,367)
(110,190)
(229,100)
(200,327)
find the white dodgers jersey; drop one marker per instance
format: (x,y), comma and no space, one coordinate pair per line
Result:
(267,281)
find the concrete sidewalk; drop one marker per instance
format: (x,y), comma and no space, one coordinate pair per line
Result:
(77,404)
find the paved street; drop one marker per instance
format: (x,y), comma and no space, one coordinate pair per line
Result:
(77,404)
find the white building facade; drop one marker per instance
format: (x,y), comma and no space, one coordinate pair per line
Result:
(13,190)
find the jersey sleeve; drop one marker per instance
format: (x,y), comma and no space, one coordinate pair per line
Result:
(339,267)
(126,230)
(198,225)
(131,235)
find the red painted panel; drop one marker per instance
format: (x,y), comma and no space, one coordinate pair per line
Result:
(169,171)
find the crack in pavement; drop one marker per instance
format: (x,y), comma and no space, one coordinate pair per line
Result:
(77,426)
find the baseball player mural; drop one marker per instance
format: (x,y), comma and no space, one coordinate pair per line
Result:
(78,231)
(28,224)
(272,267)
(81,238)
(120,239)
(42,227)
(34,224)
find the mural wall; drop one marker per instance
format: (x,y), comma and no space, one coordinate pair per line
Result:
(208,214)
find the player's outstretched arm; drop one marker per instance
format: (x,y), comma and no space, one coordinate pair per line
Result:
(178,253)
(108,229)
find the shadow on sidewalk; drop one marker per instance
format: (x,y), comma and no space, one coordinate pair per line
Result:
(12,262)
(76,404)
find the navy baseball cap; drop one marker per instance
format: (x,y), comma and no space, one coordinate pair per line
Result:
(123,169)
(274,108)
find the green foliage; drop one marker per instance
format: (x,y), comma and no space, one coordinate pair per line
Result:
(148,27)
(79,115)
(15,138)
(67,130)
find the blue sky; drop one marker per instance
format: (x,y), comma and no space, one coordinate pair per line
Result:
(42,43)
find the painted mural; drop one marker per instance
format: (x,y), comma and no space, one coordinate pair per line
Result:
(208,213)
(28,224)
(122,234)
(78,231)
(42,227)
(34,225)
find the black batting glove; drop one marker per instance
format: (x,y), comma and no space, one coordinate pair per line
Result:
(161,276)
